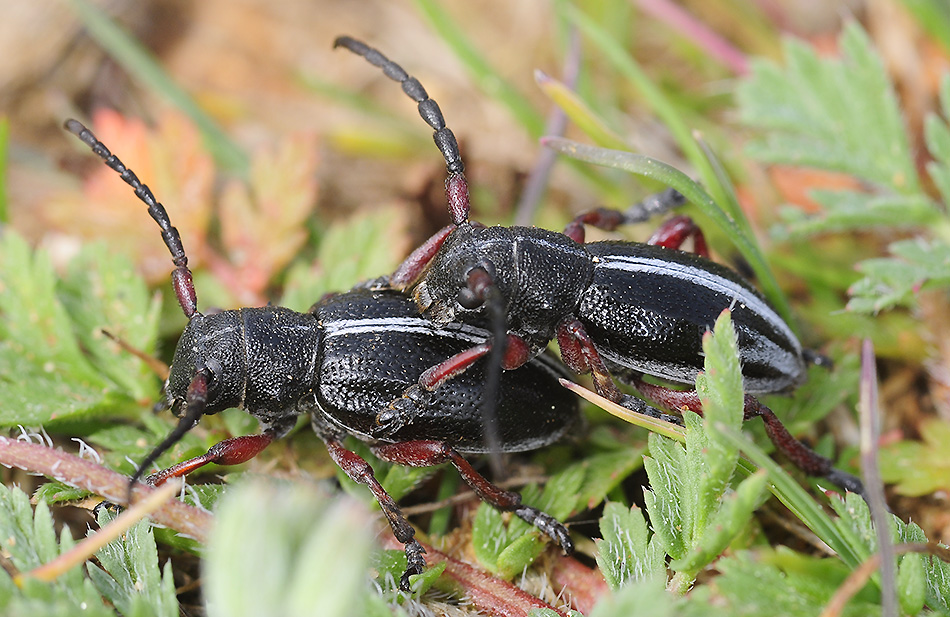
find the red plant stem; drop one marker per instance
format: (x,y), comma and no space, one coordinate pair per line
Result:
(86,475)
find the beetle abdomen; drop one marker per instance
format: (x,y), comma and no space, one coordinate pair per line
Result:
(665,301)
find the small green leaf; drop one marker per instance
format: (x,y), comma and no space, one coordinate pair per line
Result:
(665,466)
(734,513)
(519,554)
(627,553)
(912,584)
(720,391)
(894,281)
(135,584)
(28,540)
(919,467)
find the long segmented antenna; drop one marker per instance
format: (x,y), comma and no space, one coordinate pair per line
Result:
(181,277)
(456,187)
(197,395)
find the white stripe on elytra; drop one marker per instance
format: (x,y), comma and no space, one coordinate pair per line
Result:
(413,325)
(738,293)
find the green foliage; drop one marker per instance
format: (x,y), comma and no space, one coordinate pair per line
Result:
(55,363)
(696,512)
(842,115)
(131,580)
(507,548)
(916,264)
(832,114)
(919,468)
(915,572)
(782,582)
(627,553)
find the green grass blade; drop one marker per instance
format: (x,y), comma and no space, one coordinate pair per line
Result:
(661,105)
(140,65)
(795,498)
(487,78)
(579,112)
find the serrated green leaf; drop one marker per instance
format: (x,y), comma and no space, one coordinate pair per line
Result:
(835,114)
(893,281)
(720,391)
(135,584)
(664,465)
(489,536)
(846,210)
(627,553)
(729,519)
(28,539)
(54,362)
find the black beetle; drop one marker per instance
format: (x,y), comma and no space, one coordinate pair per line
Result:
(639,309)
(341,363)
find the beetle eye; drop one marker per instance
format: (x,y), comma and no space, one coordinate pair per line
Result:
(467,299)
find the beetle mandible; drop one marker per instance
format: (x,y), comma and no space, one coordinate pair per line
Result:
(639,309)
(341,363)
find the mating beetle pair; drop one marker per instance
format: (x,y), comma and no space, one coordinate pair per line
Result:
(638,309)
(340,363)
